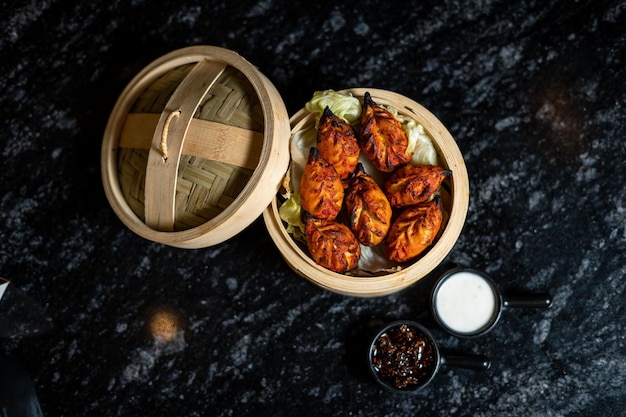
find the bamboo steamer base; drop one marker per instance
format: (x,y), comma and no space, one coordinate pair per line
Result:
(455,201)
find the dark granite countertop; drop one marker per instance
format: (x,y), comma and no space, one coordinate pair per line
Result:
(532,91)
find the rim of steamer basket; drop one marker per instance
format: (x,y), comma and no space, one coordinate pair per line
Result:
(375,286)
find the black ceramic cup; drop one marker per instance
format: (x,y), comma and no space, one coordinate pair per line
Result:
(467,303)
(404,357)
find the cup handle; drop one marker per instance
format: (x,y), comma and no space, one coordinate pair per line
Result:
(539,300)
(473,362)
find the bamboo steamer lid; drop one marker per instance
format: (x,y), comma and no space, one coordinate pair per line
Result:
(195,148)
(454,198)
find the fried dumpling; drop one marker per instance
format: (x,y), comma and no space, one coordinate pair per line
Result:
(368,209)
(414,230)
(382,137)
(331,244)
(321,191)
(337,143)
(414,184)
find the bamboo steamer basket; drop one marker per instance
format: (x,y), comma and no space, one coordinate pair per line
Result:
(195,148)
(455,201)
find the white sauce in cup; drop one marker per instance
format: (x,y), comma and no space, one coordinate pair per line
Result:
(465,302)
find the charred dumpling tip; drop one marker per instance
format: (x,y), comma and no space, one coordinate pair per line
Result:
(327,113)
(314,154)
(321,190)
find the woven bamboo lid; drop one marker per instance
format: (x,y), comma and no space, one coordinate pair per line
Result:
(195,148)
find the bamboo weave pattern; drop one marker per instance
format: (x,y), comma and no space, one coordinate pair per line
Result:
(204,187)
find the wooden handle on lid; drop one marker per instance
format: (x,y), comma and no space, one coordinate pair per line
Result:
(162,168)
(204,139)
(166,127)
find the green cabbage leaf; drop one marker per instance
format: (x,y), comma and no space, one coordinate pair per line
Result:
(345,106)
(290,212)
(420,143)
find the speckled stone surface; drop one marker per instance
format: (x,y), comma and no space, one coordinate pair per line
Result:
(532,91)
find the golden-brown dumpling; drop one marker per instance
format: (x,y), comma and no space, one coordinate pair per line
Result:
(382,137)
(337,143)
(331,244)
(321,191)
(413,231)
(413,184)
(368,209)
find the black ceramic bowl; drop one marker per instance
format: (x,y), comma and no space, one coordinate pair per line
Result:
(403,357)
(467,303)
